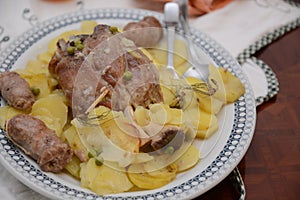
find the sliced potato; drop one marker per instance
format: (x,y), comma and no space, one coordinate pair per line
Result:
(110,181)
(88,172)
(230,88)
(91,136)
(87,27)
(206,120)
(45,57)
(210,104)
(168,94)
(32,68)
(52,111)
(102,116)
(103,179)
(58,93)
(124,135)
(207,103)
(42,111)
(37,67)
(55,104)
(73,167)
(52,45)
(160,53)
(142,116)
(201,121)
(189,159)
(6,113)
(164,115)
(117,128)
(74,141)
(40,81)
(217,77)
(192,116)
(182,68)
(202,134)
(151,179)
(233,86)
(158,114)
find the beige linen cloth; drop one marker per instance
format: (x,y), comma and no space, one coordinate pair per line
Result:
(235,26)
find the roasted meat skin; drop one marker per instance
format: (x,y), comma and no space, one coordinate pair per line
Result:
(145,33)
(168,136)
(16,91)
(101,64)
(39,142)
(142,89)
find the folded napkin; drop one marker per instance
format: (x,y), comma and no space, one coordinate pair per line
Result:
(200,7)
(236,26)
(243,25)
(242,22)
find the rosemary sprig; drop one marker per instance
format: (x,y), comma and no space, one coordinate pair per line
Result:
(204,88)
(95,120)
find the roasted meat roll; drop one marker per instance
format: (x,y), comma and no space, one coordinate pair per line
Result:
(39,142)
(16,91)
(169,137)
(145,33)
(105,61)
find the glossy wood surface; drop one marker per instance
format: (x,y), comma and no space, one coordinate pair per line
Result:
(271,166)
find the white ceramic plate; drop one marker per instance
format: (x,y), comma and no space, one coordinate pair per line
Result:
(219,154)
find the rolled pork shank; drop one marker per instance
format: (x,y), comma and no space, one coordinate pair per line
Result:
(107,62)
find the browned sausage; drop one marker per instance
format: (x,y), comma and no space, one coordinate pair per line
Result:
(144,33)
(39,142)
(16,91)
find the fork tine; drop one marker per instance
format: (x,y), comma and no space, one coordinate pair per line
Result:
(198,70)
(171,11)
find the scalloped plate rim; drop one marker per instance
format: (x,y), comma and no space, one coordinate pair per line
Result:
(188,189)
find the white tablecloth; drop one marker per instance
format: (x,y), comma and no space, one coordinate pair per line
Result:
(235,26)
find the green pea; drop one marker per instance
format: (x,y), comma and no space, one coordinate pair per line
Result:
(127,75)
(99,161)
(113,29)
(79,46)
(77,41)
(71,50)
(169,150)
(35,90)
(90,155)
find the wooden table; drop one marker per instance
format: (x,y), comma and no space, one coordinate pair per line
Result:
(271,166)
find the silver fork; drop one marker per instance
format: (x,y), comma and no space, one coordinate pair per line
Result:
(194,71)
(198,69)
(171,11)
